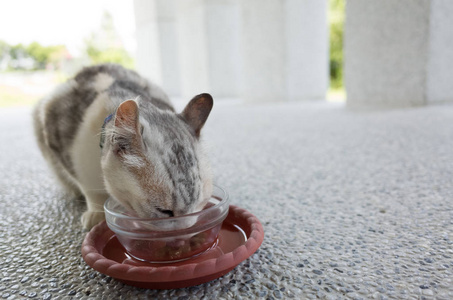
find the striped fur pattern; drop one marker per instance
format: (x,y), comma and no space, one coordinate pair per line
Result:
(152,161)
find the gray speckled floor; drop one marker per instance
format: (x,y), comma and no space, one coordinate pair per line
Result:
(354,205)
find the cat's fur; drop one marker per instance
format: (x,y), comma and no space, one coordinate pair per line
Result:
(152,160)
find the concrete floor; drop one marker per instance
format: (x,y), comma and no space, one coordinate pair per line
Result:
(354,205)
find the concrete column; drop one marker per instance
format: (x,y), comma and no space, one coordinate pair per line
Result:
(307,49)
(157,43)
(262,50)
(440,59)
(285,49)
(398,53)
(209,47)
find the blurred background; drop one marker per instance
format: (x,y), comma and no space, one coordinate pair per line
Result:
(186,46)
(367,54)
(43,43)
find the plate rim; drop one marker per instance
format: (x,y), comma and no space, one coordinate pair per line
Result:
(168,273)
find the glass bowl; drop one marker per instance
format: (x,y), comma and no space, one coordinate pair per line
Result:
(170,239)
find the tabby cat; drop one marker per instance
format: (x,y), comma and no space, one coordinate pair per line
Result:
(109,132)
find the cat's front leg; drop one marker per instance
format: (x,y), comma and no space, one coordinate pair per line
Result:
(95,212)
(92,218)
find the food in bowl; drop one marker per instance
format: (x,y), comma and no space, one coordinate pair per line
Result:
(168,239)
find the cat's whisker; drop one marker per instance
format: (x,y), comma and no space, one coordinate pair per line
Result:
(96,211)
(97,190)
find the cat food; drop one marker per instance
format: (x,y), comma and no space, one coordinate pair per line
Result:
(173,250)
(170,239)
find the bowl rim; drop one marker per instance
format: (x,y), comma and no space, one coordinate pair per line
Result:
(223,201)
(172,276)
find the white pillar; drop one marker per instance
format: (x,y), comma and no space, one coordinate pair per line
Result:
(285,49)
(398,53)
(157,43)
(440,59)
(262,50)
(307,42)
(209,47)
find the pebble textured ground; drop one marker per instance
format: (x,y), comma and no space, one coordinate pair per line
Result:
(355,205)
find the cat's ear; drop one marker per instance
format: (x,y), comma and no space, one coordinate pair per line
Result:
(197,111)
(126,136)
(127,115)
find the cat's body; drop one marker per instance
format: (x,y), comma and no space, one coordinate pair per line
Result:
(151,159)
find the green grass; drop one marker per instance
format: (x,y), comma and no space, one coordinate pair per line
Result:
(25,88)
(10,96)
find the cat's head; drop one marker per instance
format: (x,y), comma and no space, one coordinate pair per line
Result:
(153,161)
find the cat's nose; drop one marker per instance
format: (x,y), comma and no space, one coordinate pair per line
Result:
(167,212)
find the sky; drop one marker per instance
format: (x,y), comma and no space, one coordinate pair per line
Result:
(68,22)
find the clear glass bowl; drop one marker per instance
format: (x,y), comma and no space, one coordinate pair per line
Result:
(168,239)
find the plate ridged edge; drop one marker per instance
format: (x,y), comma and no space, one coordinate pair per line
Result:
(120,271)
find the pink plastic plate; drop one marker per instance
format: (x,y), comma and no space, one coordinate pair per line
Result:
(240,236)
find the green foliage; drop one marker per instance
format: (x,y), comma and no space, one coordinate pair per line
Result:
(18,51)
(4,49)
(104,46)
(110,55)
(336,22)
(41,56)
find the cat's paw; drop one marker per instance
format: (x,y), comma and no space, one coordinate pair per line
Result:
(91,218)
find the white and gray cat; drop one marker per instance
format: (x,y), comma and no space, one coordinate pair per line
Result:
(108,131)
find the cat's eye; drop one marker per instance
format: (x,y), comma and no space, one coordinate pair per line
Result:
(121,147)
(166,211)
(142,128)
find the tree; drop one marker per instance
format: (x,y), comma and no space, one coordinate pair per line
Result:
(40,54)
(18,51)
(4,49)
(336,22)
(31,57)
(106,46)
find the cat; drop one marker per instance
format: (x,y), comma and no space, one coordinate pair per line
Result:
(110,132)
